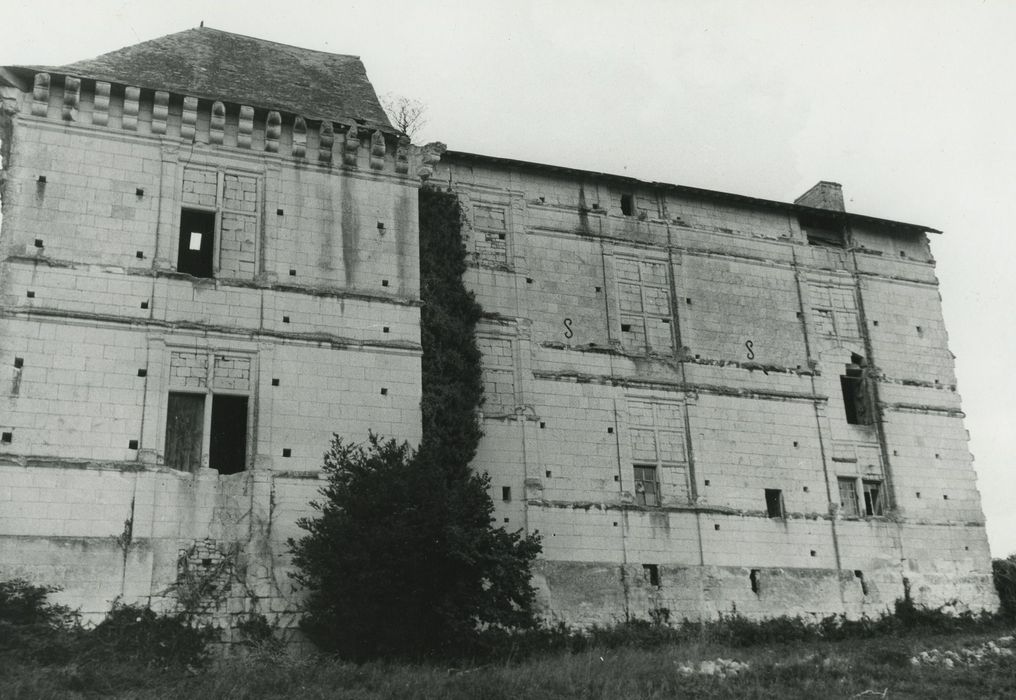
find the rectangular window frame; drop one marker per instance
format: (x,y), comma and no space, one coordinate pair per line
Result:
(183,244)
(874,497)
(775,507)
(638,325)
(647,485)
(850,506)
(220,210)
(209,391)
(857,406)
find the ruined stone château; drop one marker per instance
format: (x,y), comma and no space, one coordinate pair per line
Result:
(703,401)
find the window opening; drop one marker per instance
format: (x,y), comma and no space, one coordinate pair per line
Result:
(856,404)
(643,289)
(872,497)
(228,448)
(506,493)
(651,572)
(774,503)
(197,243)
(647,485)
(184,425)
(848,496)
(754,578)
(823,233)
(860,577)
(628,204)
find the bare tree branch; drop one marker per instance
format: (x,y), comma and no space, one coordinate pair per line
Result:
(406,113)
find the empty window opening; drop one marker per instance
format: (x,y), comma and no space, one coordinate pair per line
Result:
(506,493)
(7,438)
(860,577)
(227,432)
(228,449)
(872,497)
(774,503)
(652,574)
(195,255)
(184,424)
(823,233)
(628,204)
(647,485)
(754,578)
(856,404)
(849,504)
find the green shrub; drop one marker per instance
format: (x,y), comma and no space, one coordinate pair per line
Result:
(135,634)
(402,558)
(1004,571)
(33,628)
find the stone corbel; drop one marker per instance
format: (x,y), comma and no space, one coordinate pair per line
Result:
(273,130)
(189,119)
(377,150)
(40,95)
(71,98)
(160,112)
(245,128)
(326,139)
(299,137)
(131,100)
(351,146)
(217,127)
(100,108)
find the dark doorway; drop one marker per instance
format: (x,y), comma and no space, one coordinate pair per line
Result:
(195,255)
(184,423)
(228,450)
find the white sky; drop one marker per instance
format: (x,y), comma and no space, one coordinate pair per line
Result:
(910,104)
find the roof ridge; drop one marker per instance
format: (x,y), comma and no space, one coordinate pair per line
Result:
(277,43)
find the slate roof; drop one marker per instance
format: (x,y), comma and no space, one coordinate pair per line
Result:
(217,65)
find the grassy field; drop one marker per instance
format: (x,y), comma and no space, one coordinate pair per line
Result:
(855,668)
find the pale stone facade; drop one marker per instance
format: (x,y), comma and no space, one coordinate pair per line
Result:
(163,430)
(668,372)
(703,402)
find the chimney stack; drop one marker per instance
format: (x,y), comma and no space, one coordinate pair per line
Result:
(824,195)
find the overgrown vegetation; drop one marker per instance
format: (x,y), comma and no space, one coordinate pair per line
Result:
(131,648)
(137,654)
(1004,571)
(402,559)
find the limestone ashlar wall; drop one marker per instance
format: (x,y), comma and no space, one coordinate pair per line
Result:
(310,314)
(664,403)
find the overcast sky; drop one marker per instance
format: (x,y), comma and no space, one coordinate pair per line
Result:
(910,104)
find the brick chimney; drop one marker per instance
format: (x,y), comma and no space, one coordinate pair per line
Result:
(824,195)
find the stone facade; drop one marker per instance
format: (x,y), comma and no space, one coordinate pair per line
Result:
(703,402)
(708,403)
(195,296)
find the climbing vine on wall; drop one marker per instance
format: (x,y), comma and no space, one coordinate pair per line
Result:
(402,558)
(452,382)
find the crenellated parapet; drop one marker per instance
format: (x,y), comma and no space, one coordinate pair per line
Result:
(346,144)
